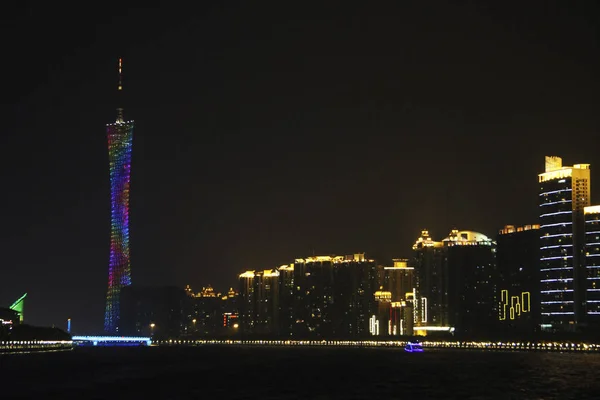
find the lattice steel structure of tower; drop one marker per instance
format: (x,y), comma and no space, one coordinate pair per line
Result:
(120,136)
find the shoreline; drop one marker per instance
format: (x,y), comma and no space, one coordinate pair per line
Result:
(467,345)
(35,346)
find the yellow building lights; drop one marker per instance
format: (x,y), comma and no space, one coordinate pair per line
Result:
(511,307)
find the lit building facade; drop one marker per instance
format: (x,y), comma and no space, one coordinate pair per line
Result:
(564,193)
(518,260)
(266,284)
(472,293)
(287,294)
(431,281)
(212,314)
(259,302)
(205,312)
(313,277)
(592,265)
(120,137)
(455,284)
(394,298)
(335,296)
(247,308)
(398,279)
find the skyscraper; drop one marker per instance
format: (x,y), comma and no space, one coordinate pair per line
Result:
(120,136)
(398,280)
(592,266)
(518,261)
(431,280)
(259,306)
(335,296)
(455,284)
(564,193)
(472,301)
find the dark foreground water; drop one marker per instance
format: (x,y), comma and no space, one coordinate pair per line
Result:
(298,373)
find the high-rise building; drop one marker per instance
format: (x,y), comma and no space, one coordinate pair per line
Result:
(431,281)
(335,296)
(247,302)
(266,284)
(455,284)
(205,315)
(564,193)
(394,300)
(518,259)
(120,137)
(287,292)
(313,277)
(472,300)
(592,265)
(259,302)
(398,279)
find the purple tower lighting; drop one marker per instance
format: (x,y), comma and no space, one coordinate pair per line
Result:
(120,136)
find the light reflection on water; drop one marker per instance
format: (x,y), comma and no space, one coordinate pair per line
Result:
(305,373)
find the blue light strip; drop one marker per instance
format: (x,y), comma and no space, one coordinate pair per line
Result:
(560,234)
(111,338)
(555,269)
(556,191)
(556,213)
(558,291)
(556,247)
(555,258)
(558,313)
(556,202)
(95,340)
(557,224)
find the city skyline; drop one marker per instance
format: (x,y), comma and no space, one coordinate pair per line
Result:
(348,132)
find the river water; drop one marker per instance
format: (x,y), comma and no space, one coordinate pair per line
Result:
(298,373)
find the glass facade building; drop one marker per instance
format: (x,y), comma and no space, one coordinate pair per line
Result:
(592,265)
(563,195)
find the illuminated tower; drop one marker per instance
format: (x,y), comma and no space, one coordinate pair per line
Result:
(564,193)
(592,265)
(120,135)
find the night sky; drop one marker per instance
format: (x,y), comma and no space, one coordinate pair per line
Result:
(268,133)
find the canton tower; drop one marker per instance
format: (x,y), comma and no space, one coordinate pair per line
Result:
(120,136)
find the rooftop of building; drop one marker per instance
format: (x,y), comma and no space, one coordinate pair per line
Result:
(356,257)
(456,237)
(508,229)
(556,170)
(591,210)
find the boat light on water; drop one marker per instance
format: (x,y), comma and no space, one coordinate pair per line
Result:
(413,347)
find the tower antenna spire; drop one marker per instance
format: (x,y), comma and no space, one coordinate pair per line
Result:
(119,89)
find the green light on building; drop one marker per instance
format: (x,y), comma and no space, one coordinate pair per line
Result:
(18,306)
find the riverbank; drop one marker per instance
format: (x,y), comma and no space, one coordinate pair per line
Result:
(515,346)
(35,346)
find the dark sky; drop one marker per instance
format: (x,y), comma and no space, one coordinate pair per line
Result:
(268,133)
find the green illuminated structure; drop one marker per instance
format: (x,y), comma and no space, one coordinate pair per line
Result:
(18,306)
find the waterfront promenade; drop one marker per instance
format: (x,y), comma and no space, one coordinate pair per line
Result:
(29,346)
(465,345)
(40,346)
